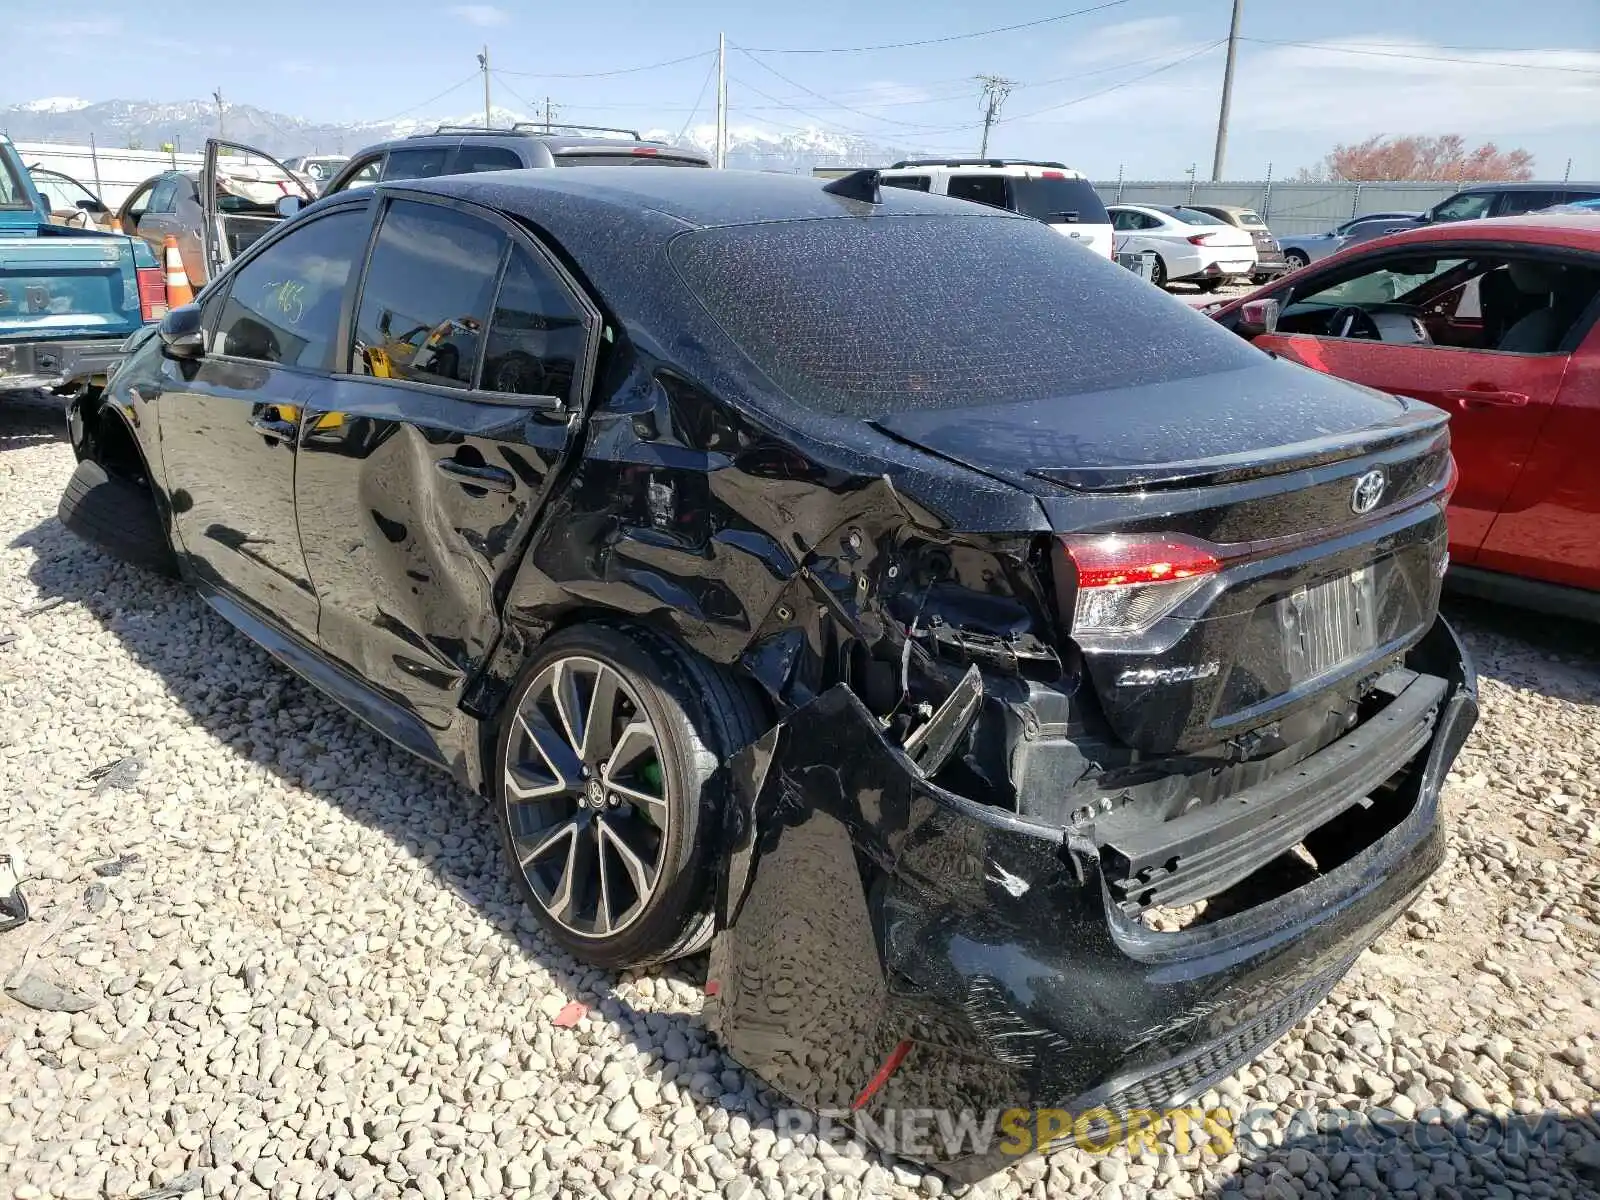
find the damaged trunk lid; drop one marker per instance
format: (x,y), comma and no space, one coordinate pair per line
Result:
(1226,569)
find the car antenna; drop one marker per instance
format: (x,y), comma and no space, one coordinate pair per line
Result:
(858,185)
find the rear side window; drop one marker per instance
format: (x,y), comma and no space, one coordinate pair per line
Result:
(1059,201)
(365,174)
(165,198)
(983,189)
(913,183)
(283,305)
(1513,203)
(470,159)
(1466,207)
(422,163)
(1193,216)
(1253,220)
(426,295)
(805,301)
(537,333)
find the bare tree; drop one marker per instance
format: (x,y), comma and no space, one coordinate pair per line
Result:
(1444,158)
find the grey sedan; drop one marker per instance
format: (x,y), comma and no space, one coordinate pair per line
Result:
(1304,248)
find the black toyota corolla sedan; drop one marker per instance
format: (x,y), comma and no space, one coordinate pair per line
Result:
(1033,695)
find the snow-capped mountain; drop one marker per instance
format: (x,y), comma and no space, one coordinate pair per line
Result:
(186,125)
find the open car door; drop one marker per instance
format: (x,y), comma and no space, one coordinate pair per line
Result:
(240,193)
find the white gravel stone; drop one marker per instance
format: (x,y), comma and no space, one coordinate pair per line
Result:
(304,973)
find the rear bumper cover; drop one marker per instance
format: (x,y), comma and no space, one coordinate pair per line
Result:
(870,918)
(52,364)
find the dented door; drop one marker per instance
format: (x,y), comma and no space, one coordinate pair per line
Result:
(424,469)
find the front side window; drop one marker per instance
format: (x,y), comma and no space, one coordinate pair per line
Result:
(1515,203)
(63,191)
(1381,285)
(911,183)
(283,305)
(471,159)
(139,202)
(422,163)
(536,335)
(982,189)
(11,193)
(426,295)
(1467,207)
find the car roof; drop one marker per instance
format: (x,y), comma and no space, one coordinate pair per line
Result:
(1530,186)
(628,196)
(1578,230)
(1233,208)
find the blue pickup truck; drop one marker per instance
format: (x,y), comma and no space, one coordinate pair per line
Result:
(69,298)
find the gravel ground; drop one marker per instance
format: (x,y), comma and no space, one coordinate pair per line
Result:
(303,974)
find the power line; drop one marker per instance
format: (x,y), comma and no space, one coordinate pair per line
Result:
(1471,62)
(827,99)
(698,101)
(671,62)
(516,95)
(455,87)
(954,37)
(1177,62)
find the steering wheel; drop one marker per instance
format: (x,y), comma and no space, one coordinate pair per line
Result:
(1348,321)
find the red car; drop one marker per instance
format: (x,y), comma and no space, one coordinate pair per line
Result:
(1494,322)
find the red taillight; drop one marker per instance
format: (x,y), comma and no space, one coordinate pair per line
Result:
(152,293)
(1452,476)
(1121,562)
(1201,239)
(1052,174)
(1126,584)
(645,152)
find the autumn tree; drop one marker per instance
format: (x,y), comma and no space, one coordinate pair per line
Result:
(1445,158)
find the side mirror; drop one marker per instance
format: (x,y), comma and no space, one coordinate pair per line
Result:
(92,206)
(287,206)
(1257,317)
(181,334)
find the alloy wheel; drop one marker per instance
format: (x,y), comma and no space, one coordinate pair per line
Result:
(587,797)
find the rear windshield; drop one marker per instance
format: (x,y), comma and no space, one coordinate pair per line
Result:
(1249,218)
(981,311)
(1059,201)
(1193,216)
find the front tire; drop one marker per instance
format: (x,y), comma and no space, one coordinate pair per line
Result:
(1296,259)
(611,781)
(119,516)
(1158,273)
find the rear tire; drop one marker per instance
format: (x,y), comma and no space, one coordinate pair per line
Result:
(1158,273)
(612,837)
(1296,259)
(117,515)
(1210,285)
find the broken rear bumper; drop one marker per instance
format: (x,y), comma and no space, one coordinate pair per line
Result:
(866,911)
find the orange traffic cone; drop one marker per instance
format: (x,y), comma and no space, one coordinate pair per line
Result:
(179,292)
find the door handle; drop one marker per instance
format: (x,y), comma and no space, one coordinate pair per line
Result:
(1487,398)
(493,479)
(270,425)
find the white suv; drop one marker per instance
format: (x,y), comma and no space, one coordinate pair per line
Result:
(1047,191)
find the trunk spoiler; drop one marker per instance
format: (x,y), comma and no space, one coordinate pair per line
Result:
(1420,422)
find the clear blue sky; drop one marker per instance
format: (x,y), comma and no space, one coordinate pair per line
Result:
(1528,72)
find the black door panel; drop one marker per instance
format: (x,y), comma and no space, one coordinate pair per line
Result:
(232,475)
(414,505)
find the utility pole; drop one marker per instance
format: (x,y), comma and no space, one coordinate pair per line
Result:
(721,156)
(222,123)
(483,62)
(550,109)
(995,91)
(1227,94)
